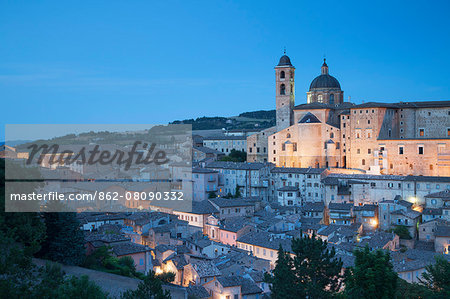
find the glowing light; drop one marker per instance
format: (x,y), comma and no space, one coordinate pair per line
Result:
(374,222)
(158,270)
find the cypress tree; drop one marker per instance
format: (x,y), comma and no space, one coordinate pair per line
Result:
(282,281)
(65,240)
(317,270)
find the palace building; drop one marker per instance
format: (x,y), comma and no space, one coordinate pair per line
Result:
(405,138)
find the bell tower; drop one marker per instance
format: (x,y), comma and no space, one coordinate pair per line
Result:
(285,92)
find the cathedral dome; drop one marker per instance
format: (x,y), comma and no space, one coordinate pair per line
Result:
(324,80)
(284,61)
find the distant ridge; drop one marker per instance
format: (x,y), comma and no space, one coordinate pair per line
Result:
(14,143)
(260,119)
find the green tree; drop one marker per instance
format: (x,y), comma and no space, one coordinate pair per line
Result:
(79,287)
(237,193)
(229,195)
(150,287)
(102,260)
(65,240)
(283,279)
(51,278)
(235,156)
(166,277)
(437,277)
(16,268)
(412,290)
(316,268)
(372,276)
(403,232)
(28,229)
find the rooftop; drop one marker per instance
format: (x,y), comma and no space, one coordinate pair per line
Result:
(284,61)
(207,150)
(313,207)
(236,165)
(445,195)
(203,207)
(205,268)
(442,231)
(309,170)
(407,213)
(128,248)
(340,206)
(229,202)
(404,105)
(266,240)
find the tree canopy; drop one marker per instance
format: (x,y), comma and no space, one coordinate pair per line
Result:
(312,272)
(150,287)
(372,276)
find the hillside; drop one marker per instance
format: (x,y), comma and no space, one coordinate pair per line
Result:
(248,120)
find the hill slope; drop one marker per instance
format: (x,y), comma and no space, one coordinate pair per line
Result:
(248,120)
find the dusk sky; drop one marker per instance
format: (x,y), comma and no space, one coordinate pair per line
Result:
(135,62)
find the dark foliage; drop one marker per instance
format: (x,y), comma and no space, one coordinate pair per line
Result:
(372,276)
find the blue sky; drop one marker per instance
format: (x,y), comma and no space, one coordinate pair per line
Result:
(152,62)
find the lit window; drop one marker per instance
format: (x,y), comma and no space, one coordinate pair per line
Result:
(421,132)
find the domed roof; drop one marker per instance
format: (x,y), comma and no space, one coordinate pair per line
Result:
(284,61)
(325,81)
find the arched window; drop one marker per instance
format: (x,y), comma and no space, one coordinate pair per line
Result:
(331,135)
(332,99)
(282,89)
(288,135)
(363,162)
(320,98)
(282,75)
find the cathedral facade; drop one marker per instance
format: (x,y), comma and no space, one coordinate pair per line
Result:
(405,138)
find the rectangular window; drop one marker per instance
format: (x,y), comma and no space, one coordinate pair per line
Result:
(421,132)
(420,149)
(400,150)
